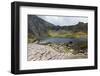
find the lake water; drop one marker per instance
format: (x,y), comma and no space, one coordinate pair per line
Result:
(60,40)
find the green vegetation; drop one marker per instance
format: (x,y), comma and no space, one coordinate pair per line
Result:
(82,45)
(66,34)
(31,38)
(74,49)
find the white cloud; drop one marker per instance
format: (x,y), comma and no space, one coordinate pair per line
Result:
(64,20)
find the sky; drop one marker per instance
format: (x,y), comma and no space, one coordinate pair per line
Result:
(64,20)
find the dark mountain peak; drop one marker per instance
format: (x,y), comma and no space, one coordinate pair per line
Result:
(38,19)
(38,26)
(81,23)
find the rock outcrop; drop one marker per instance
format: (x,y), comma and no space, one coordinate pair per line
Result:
(38,52)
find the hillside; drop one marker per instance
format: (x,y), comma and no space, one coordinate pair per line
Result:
(38,26)
(39,29)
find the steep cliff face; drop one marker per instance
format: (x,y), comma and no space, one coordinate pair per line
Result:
(38,26)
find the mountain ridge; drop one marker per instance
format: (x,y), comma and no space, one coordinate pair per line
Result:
(39,27)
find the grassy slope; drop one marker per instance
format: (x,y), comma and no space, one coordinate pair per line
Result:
(65,34)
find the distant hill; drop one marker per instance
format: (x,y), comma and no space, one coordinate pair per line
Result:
(39,27)
(83,27)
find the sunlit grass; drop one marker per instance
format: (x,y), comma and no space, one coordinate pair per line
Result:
(67,34)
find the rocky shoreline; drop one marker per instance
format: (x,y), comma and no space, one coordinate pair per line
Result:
(38,52)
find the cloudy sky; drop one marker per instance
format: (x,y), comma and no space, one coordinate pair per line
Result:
(64,20)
